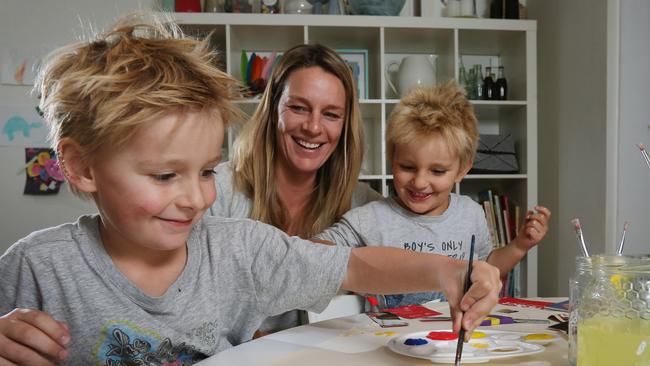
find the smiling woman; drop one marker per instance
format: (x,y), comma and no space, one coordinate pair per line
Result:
(297,160)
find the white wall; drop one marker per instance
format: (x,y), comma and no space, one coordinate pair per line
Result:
(633,122)
(571,126)
(36,23)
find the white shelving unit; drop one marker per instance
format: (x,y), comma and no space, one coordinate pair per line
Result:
(511,42)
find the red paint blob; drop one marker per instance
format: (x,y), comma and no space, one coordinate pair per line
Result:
(442,336)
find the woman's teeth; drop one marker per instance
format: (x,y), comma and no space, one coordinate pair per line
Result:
(307,145)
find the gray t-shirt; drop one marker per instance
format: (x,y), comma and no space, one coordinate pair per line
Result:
(233,203)
(387,223)
(237,273)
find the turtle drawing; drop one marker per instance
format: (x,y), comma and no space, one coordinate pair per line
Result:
(18,124)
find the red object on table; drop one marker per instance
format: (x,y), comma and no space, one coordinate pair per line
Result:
(524,303)
(442,336)
(412,311)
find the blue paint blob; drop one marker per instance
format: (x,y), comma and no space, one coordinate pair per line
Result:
(415,342)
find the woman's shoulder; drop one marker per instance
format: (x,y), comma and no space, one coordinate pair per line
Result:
(224,170)
(363,194)
(230,202)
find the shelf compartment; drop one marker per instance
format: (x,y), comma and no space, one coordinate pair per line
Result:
(507,48)
(253,38)
(436,43)
(515,189)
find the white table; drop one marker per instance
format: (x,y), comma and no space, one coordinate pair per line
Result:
(356,340)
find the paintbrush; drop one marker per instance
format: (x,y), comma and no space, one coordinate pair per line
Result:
(468,282)
(622,243)
(578,228)
(644,153)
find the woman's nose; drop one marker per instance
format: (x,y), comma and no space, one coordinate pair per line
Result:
(313,124)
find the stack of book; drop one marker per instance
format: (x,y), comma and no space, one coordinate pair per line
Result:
(503,218)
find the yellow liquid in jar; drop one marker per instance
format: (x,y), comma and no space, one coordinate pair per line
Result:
(610,341)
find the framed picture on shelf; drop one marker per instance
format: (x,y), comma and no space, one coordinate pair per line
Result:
(357,59)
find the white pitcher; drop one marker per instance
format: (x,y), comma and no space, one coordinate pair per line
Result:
(413,71)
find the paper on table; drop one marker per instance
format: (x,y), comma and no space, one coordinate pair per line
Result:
(360,337)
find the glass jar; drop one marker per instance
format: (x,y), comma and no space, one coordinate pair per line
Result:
(609,323)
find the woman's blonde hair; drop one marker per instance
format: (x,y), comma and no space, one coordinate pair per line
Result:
(257,148)
(426,111)
(100,92)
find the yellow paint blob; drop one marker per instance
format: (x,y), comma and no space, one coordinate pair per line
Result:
(480,345)
(538,337)
(478,335)
(385,334)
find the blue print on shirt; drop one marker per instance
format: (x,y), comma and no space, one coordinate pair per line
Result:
(125,344)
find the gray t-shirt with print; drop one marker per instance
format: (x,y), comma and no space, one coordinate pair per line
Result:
(387,223)
(233,203)
(238,272)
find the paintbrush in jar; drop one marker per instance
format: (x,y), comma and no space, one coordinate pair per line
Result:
(619,251)
(642,147)
(468,282)
(578,228)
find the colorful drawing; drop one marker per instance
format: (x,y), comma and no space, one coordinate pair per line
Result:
(19,66)
(22,126)
(42,172)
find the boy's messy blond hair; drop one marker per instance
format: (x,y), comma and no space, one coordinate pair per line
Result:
(427,111)
(100,92)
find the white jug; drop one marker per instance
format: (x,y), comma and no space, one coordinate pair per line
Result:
(413,71)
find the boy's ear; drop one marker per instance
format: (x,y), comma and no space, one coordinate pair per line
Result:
(76,169)
(463,172)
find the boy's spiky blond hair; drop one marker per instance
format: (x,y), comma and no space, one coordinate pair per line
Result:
(441,109)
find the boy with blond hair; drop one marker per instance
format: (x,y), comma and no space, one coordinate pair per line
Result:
(138,118)
(431,141)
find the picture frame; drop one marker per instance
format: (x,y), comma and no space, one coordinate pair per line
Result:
(357,59)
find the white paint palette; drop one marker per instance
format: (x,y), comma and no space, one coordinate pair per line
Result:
(485,345)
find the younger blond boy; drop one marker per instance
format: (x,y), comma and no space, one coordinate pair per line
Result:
(431,141)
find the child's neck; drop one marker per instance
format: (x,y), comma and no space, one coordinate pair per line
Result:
(152,271)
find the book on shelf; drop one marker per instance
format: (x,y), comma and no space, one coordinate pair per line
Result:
(500,227)
(489,218)
(503,219)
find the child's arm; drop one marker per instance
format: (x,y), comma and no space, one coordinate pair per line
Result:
(536,226)
(32,337)
(384,270)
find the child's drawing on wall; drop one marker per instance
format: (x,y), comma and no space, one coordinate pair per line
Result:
(42,172)
(19,66)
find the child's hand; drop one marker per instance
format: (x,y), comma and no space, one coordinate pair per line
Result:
(32,337)
(534,228)
(479,300)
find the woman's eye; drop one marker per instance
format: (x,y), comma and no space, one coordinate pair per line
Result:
(163,177)
(406,167)
(439,171)
(297,108)
(332,116)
